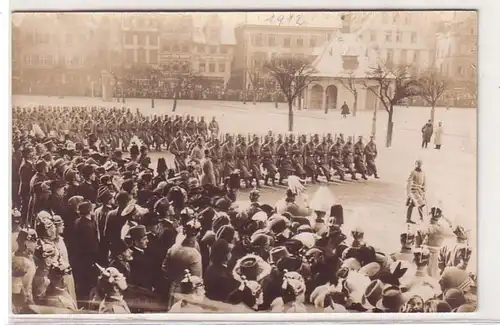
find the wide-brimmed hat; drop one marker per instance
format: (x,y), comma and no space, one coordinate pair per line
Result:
(392,300)
(252,267)
(373,294)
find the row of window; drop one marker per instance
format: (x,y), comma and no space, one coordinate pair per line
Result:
(467,71)
(200,48)
(49,60)
(403,56)
(392,36)
(45,38)
(463,49)
(285,41)
(396,18)
(211,67)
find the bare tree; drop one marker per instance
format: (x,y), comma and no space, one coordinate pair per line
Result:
(180,76)
(292,75)
(432,85)
(254,76)
(393,84)
(350,84)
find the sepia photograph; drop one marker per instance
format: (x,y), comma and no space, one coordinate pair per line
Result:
(242,162)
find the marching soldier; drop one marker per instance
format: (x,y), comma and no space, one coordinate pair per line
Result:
(216,156)
(228,152)
(202,128)
(359,161)
(241,161)
(214,127)
(335,153)
(284,163)
(309,163)
(371,154)
(179,150)
(348,158)
(253,154)
(267,160)
(320,153)
(190,127)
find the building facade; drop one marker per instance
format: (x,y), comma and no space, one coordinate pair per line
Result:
(401,38)
(55,54)
(456,58)
(261,40)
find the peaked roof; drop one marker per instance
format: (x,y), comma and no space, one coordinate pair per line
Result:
(329,62)
(202,20)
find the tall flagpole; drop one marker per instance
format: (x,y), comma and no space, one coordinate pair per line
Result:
(245,48)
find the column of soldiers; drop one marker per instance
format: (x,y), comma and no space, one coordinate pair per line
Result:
(273,158)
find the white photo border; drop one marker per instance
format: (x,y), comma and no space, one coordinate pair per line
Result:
(488,155)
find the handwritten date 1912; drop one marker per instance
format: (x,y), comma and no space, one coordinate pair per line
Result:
(290,19)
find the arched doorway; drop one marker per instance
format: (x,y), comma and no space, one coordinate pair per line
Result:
(331,97)
(316,97)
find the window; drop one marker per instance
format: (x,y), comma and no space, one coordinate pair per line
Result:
(272,40)
(166,48)
(404,54)
(211,67)
(153,56)
(385,18)
(312,41)
(373,36)
(395,17)
(388,36)
(223,49)
(408,18)
(413,37)
(141,39)
(286,42)
(399,37)
(300,42)
(258,40)
(416,57)
(460,70)
(390,56)
(200,48)
(153,40)
(82,38)
(129,55)
(69,39)
(328,36)
(222,67)
(213,49)
(176,48)
(202,67)
(141,55)
(28,59)
(360,37)
(129,38)
(185,48)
